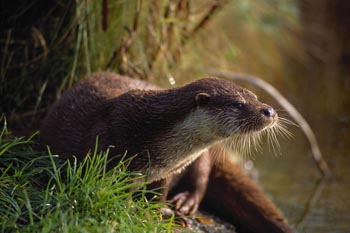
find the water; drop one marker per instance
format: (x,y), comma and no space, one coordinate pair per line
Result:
(310,203)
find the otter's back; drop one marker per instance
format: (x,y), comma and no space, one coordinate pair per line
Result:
(67,126)
(111,85)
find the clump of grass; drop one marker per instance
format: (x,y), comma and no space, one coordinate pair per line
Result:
(39,192)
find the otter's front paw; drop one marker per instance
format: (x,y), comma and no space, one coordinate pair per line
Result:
(186,203)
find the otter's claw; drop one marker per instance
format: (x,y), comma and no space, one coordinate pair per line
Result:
(186,203)
(179,217)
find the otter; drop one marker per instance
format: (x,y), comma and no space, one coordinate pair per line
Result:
(174,135)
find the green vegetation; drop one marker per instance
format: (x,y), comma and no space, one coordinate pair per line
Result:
(40,193)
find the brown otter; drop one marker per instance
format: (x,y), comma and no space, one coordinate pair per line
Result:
(168,130)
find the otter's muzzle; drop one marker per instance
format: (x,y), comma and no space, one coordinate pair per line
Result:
(268,112)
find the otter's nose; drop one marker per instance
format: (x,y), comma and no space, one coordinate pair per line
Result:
(268,112)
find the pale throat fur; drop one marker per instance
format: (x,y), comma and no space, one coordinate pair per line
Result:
(186,141)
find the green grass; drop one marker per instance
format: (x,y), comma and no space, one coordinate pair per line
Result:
(41,193)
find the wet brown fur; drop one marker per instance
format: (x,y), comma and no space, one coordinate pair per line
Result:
(140,118)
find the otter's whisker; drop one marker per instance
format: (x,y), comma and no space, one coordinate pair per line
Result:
(269,141)
(284,133)
(257,142)
(281,130)
(274,137)
(287,121)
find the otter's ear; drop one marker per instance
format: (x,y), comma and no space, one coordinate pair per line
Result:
(202,98)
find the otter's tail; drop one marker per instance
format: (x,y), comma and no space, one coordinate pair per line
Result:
(235,197)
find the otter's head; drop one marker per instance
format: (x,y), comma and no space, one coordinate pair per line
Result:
(236,110)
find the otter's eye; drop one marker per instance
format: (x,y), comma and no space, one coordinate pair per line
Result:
(238,105)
